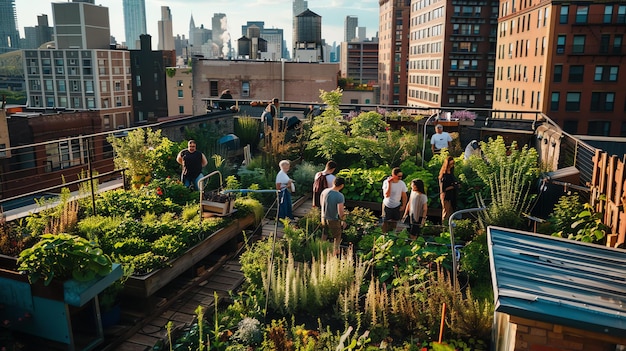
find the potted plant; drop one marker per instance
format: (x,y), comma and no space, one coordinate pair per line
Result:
(140,152)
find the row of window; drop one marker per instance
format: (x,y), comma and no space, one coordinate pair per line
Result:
(423,33)
(215,91)
(600,101)
(576,73)
(610,14)
(429,16)
(517,96)
(578,44)
(423,95)
(523,22)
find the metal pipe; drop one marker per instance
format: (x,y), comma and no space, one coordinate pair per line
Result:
(424,138)
(452,225)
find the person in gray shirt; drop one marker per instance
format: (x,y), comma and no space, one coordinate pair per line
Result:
(332,212)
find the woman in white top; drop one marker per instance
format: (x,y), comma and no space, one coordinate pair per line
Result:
(417,208)
(284,184)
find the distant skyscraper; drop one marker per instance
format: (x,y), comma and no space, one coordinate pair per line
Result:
(221,36)
(35,36)
(134,22)
(166,34)
(274,38)
(349,29)
(81,25)
(9,35)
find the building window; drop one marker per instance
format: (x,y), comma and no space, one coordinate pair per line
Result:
(118,86)
(91,102)
(606,73)
(49,101)
(139,98)
(558,73)
(89,86)
(245,89)
(554,101)
(604,43)
(106,121)
(617,44)
(35,84)
(576,73)
(181,109)
(76,102)
(599,128)
(61,86)
(570,126)
(572,102)
(179,83)
(603,102)
(581,14)
(156,95)
(138,80)
(213,90)
(621,14)
(104,86)
(560,44)
(608,13)
(64,154)
(180,93)
(578,46)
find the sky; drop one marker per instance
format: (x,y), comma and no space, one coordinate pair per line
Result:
(275,14)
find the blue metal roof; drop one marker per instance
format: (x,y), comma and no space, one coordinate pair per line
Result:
(560,281)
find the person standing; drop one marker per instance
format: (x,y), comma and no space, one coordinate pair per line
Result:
(284,185)
(192,161)
(226,95)
(440,140)
(332,213)
(394,200)
(271,112)
(328,173)
(448,186)
(416,208)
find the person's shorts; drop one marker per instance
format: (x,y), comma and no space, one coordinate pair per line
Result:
(391,214)
(332,228)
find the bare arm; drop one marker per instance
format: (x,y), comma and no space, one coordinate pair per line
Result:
(340,211)
(403,200)
(179,158)
(204,161)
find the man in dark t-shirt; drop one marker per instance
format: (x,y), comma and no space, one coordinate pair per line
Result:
(192,161)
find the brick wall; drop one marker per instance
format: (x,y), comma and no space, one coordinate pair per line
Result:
(540,336)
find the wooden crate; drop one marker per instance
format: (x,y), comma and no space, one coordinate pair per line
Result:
(218,208)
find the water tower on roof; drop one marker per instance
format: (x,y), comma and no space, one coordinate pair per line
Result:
(308,37)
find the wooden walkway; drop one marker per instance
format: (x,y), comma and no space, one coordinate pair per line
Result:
(178,301)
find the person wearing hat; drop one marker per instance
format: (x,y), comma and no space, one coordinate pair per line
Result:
(473,148)
(226,95)
(440,140)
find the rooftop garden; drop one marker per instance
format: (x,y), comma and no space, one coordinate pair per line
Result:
(384,291)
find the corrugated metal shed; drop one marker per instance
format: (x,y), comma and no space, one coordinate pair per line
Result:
(560,281)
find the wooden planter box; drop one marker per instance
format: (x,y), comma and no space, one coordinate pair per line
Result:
(147,285)
(218,208)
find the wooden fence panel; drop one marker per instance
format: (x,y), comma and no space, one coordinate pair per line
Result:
(607,195)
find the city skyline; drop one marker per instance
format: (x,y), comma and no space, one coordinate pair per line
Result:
(275,14)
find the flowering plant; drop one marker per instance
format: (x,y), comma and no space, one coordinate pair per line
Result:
(463,115)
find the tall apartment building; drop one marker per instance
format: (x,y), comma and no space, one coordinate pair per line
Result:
(393,46)
(349,28)
(359,61)
(134,22)
(9,35)
(81,25)
(166,36)
(565,59)
(81,79)
(452,51)
(148,83)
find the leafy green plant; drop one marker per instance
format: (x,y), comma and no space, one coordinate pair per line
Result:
(63,256)
(588,226)
(248,130)
(509,172)
(565,214)
(364,184)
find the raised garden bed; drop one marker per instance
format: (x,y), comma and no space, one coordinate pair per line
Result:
(147,285)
